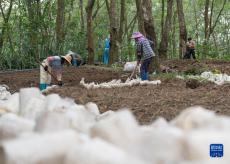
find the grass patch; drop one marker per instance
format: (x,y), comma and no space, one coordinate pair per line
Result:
(169,76)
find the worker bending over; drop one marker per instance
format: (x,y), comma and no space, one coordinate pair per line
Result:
(54,65)
(77,60)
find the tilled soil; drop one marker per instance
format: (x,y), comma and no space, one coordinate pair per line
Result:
(146,102)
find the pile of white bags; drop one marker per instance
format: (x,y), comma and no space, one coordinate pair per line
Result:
(4,94)
(49,129)
(118,83)
(218,79)
(130,66)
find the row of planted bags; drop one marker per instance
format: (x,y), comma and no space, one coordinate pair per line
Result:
(38,129)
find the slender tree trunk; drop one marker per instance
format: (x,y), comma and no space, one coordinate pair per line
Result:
(82,15)
(60,21)
(122,20)
(89,10)
(197,25)
(182,26)
(206,29)
(150,32)
(140,16)
(162,15)
(209,24)
(174,34)
(129,30)
(165,33)
(212,27)
(34,19)
(113,33)
(206,19)
(6,17)
(122,26)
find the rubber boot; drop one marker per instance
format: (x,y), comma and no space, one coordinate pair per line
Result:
(43,86)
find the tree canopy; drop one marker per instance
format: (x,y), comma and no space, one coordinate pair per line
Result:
(31,30)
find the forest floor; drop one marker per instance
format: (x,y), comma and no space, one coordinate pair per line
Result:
(147,102)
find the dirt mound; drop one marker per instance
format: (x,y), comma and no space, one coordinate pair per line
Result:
(146,102)
(202,65)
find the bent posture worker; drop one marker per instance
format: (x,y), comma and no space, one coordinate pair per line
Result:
(53,64)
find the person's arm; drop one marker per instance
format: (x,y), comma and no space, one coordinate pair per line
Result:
(47,62)
(139,52)
(78,57)
(188,44)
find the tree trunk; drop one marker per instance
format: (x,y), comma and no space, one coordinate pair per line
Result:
(165,33)
(140,16)
(122,26)
(182,26)
(150,32)
(6,17)
(197,24)
(82,15)
(209,28)
(128,31)
(89,10)
(60,21)
(174,34)
(33,27)
(206,19)
(114,31)
(162,15)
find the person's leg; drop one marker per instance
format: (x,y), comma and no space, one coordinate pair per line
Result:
(144,70)
(186,55)
(190,54)
(193,54)
(74,62)
(106,56)
(44,78)
(148,62)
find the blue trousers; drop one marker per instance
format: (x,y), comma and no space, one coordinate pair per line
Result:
(145,69)
(106,56)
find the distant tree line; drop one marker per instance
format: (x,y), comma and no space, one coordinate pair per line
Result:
(31,30)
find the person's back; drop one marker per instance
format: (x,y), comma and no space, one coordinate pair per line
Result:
(107,43)
(145,48)
(192,44)
(54,62)
(190,48)
(144,54)
(106,51)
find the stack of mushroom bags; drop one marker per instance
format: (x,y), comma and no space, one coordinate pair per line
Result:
(38,129)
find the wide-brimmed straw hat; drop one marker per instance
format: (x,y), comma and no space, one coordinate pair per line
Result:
(68,58)
(136,35)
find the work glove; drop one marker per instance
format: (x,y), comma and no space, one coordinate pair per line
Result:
(60,83)
(46,68)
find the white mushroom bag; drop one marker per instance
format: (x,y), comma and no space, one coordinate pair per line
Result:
(130,66)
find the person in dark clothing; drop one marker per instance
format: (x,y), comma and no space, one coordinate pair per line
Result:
(190,49)
(144,54)
(77,59)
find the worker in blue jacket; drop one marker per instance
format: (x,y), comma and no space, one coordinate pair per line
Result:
(106,51)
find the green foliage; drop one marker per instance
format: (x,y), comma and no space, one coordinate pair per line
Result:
(166,76)
(195,70)
(28,37)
